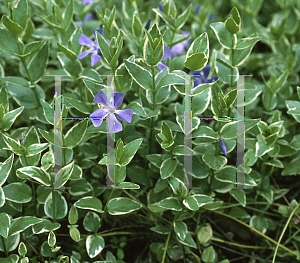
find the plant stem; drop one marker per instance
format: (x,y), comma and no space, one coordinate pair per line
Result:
(232,57)
(105,210)
(151,121)
(166,247)
(283,231)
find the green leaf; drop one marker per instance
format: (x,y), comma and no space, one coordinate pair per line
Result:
(230,98)
(261,148)
(183,150)
(91,222)
(104,47)
(166,19)
(69,53)
(223,36)
(29,29)
(123,83)
(229,130)
(209,254)
(45,226)
(90,203)
(18,192)
(181,19)
(168,167)
(166,131)
(21,223)
(224,71)
(20,13)
(8,43)
(13,27)
(49,136)
(60,205)
(214,162)
(35,173)
(204,234)
(239,195)
(160,229)
(94,245)
(224,63)
(48,111)
(196,61)
(79,105)
(140,75)
(191,203)
(202,199)
(5,222)
(24,96)
(170,79)
(80,186)
(14,145)
(246,42)
(180,229)
(199,45)
(37,65)
(22,249)
(260,223)
(75,134)
(75,234)
(36,148)
(189,241)
(234,13)
(130,150)
(241,55)
(170,203)
(231,26)
(67,16)
(122,205)
(51,239)
(5,169)
(64,174)
(137,109)
(68,66)
(205,132)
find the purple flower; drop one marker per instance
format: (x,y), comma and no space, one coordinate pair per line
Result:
(113,124)
(223,147)
(86,2)
(160,7)
(175,50)
(87,17)
(94,48)
(203,78)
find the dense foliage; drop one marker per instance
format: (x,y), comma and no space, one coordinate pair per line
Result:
(153,48)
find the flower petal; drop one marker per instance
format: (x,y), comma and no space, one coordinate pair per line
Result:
(101,98)
(197,9)
(88,17)
(124,115)
(197,83)
(177,50)
(160,7)
(167,53)
(118,98)
(212,79)
(161,66)
(95,58)
(97,117)
(206,71)
(101,31)
(113,124)
(84,54)
(86,41)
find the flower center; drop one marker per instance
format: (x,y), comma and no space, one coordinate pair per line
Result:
(111,110)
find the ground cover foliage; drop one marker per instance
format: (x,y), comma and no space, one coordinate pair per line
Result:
(153,45)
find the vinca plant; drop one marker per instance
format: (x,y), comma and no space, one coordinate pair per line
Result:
(149,131)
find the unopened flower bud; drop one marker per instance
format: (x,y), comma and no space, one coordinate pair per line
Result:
(223,147)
